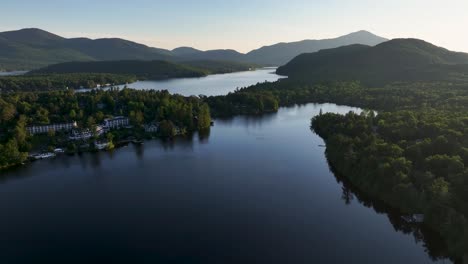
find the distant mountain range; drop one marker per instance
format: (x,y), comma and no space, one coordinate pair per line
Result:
(34,48)
(397,60)
(282,53)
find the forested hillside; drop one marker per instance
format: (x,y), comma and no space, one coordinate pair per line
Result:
(399,60)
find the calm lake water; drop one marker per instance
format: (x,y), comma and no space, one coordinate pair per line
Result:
(217,84)
(255,190)
(12,73)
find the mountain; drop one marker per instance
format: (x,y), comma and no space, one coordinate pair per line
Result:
(34,48)
(31,48)
(220,54)
(392,61)
(185,51)
(281,53)
(117,49)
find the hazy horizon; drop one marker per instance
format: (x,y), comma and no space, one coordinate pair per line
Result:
(242,26)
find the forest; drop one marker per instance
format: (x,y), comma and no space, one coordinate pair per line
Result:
(19,110)
(51,82)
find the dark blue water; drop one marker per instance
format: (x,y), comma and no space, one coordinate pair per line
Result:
(256,190)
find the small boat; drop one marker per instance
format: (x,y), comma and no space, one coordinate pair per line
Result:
(59,150)
(44,155)
(322,146)
(137,142)
(101,146)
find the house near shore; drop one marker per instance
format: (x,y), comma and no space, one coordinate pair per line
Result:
(101,145)
(415,218)
(116,122)
(34,130)
(84,134)
(152,128)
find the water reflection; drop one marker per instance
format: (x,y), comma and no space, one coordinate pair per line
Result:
(204,135)
(139,151)
(431,241)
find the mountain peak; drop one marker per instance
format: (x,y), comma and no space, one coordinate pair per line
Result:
(32,32)
(281,53)
(364,35)
(182,51)
(30,35)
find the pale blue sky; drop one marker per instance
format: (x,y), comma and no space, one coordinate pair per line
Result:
(241,24)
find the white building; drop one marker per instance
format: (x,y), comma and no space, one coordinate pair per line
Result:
(152,128)
(33,130)
(116,122)
(85,133)
(101,145)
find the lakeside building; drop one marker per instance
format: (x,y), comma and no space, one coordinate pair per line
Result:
(83,134)
(152,128)
(116,122)
(33,130)
(101,145)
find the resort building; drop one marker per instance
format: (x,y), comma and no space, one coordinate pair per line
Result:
(83,134)
(151,128)
(33,130)
(116,122)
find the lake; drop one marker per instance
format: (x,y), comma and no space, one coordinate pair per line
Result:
(12,73)
(216,84)
(255,190)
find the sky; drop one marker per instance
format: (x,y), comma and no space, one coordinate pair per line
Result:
(242,25)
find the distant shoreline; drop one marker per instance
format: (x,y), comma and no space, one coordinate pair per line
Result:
(12,73)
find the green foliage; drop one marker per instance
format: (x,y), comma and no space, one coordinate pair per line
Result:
(61,81)
(10,155)
(167,129)
(410,159)
(204,118)
(154,70)
(398,60)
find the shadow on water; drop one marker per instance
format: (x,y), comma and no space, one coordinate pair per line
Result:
(432,242)
(247,120)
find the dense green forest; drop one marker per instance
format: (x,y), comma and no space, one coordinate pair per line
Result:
(51,82)
(398,60)
(267,97)
(19,110)
(413,160)
(154,70)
